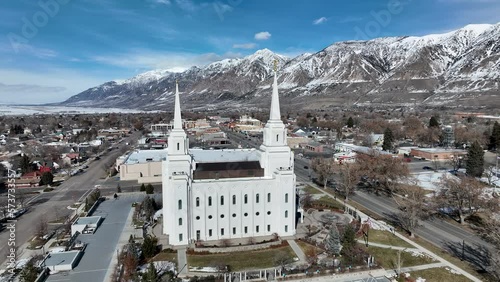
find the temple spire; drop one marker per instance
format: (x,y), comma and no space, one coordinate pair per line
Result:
(177,111)
(275,101)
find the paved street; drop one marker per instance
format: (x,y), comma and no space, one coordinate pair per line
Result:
(102,245)
(49,204)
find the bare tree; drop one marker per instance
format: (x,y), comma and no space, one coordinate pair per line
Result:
(455,161)
(325,168)
(412,207)
(67,168)
(42,227)
(282,260)
(463,195)
(382,171)
(306,200)
(349,175)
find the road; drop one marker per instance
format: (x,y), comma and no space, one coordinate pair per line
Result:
(51,204)
(438,231)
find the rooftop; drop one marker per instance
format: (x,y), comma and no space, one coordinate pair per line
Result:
(54,259)
(440,150)
(87,220)
(226,155)
(144,156)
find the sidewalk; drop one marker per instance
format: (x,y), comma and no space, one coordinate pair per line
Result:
(298,251)
(387,246)
(182,266)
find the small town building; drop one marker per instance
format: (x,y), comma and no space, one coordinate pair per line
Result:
(62,261)
(437,154)
(86,225)
(145,166)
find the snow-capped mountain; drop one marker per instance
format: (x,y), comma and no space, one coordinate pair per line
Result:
(458,68)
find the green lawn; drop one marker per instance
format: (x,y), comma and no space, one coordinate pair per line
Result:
(438,275)
(327,202)
(387,258)
(242,260)
(386,238)
(311,190)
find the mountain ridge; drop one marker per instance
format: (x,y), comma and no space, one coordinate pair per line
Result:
(459,68)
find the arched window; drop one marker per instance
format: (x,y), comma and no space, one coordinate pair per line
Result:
(221,200)
(179,204)
(268,197)
(286,198)
(234,199)
(197,201)
(180,221)
(286,214)
(245,199)
(257,198)
(209,201)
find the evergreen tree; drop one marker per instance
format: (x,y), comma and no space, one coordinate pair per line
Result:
(29,273)
(151,275)
(25,164)
(150,189)
(143,188)
(149,246)
(433,122)
(350,122)
(349,237)
(118,188)
(475,160)
(332,243)
(47,178)
(388,140)
(495,137)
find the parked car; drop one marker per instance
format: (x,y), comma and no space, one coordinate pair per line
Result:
(427,168)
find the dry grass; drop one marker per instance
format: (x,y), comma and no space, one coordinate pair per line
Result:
(242,260)
(311,190)
(445,255)
(386,238)
(387,258)
(439,274)
(166,256)
(306,247)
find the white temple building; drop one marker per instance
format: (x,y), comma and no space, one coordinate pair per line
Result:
(229,194)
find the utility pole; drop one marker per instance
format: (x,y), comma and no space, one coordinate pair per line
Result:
(463,249)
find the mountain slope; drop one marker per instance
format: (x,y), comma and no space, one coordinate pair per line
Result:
(458,68)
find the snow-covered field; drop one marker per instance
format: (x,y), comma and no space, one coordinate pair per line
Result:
(31,110)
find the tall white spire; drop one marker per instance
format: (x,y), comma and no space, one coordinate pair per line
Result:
(275,101)
(177,110)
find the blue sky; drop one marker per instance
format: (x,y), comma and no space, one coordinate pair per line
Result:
(52,49)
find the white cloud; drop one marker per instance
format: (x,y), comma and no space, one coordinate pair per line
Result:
(144,60)
(245,46)
(22,48)
(164,2)
(320,20)
(264,35)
